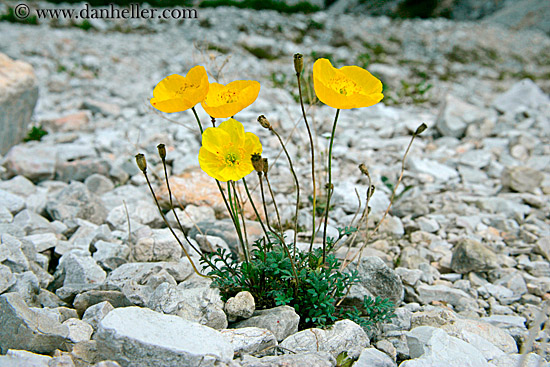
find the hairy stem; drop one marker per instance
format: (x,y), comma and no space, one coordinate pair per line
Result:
(330,189)
(255,209)
(170,227)
(297,186)
(392,198)
(312,147)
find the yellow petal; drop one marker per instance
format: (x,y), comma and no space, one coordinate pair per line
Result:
(234,129)
(211,164)
(224,101)
(368,82)
(252,144)
(348,87)
(176,93)
(214,139)
(171,105)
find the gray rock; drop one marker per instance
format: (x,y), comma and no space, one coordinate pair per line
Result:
(488,349)
(94,314)
(80,169)
(470,255)
(78,330)
(317,359)
(429,346)
(19,185)
(524,94)
(6,278)
(27,286)
(344,335)
(543,246)
(460,299)
(250,340)
(79,271)
(135,336)
(496,336)
(140,272)
(523,360)
(379,279)
(110,255)
(505,321)
(201,304)
(12,202)
(34,161)
(104,108)
(408,276)
(455,116)
(372,357)
(5,215)
(11,253)
(18,96)
(85,300)
(98,184)
(126,193)
(429,225)
(35,332)
(282,321)
(439,171)
(43,241)
(241,306)
(225,229)
(191,215)
(158,245)
(76,201)
(17,358)
(211,243)
(521,178)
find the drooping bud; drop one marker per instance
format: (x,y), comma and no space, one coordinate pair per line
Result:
(421,129)
(264,122)
(266,165)
(141,162)
(257,162)
(364,169)
(298,63)
(162,151)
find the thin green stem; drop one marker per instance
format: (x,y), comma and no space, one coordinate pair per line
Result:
(235,216)
(197,118)
(330,189)
(240,209)
(170,227)
(235,224)
(312,146)
(297,186)
(281,239)
(174,211)
(274,204)
(255,209)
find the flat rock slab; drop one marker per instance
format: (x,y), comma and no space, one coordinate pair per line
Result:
(22,328)
(135,336)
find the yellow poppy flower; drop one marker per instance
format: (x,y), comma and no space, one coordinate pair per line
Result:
(177,93)
(347,87)
(224,101)
(227,150)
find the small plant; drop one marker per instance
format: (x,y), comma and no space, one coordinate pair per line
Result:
(35,133)
(274,270)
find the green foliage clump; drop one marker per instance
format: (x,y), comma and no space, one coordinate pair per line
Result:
(12,18)
(313,292)
(36,133)
(280,6)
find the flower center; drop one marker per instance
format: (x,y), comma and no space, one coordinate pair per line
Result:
(343,85)
(231,159)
